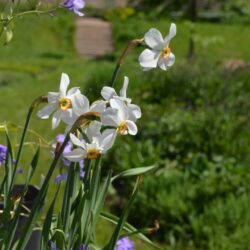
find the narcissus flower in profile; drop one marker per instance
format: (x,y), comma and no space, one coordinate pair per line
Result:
(63,104)
(117,116)
(75,6)
(98,143)
(109,93)
(160,53)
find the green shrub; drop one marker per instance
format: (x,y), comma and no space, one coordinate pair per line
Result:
(195,127)
(206,210)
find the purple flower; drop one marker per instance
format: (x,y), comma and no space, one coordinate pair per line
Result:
(59,139)
(66,163)
(82,247)
(3,151)
(20,171)
(60,177)
(125,244)
(75,6)
(82,172)
(52,245)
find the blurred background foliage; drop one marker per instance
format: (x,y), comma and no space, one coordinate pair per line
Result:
(195,124)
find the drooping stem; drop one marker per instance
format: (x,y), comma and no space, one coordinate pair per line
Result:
(34,104)
(132,44)
(115,74)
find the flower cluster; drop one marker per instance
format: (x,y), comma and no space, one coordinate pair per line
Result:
(116,114)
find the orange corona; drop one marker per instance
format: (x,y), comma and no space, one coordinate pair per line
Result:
(122,128)
(166,52)
(65,103)
(93,153)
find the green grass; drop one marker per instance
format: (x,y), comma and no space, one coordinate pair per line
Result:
(43,47)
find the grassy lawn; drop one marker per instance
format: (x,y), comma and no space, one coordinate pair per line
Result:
(43,47)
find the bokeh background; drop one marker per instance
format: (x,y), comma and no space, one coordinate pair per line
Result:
(196,121)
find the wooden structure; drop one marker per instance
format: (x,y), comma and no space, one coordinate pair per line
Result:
(93,37)
(106,4)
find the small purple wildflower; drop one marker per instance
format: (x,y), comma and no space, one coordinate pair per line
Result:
(75,6)
(125,244)
(3,151)
(82,247)
(20,170)
(66,163)
(82,172)
(60,177)
(52,245)
(59,139)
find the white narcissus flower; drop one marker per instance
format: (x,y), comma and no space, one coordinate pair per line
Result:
(64,104)
(83,108)
(160,53)
(109,93)
(117,115)
(93,149)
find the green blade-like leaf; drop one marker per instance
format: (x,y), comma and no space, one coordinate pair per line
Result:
(122,219)
(95,182)
(2,184)
(48,221)
(102,194)
(94,187)
(8,172)
(68,197)
(134,172)
(19,152)
(127,227)
(33,165)
(78,207)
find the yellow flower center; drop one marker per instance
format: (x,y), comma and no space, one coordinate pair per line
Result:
(166,52)
(122,128)
(65,103)
(93,153)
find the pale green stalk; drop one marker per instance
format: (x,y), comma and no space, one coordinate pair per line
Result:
(122,58)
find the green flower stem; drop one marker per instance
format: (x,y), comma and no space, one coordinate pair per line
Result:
(34,104)
(37,12)
(6,21)
(40,199)
(122,221)
(132,44)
